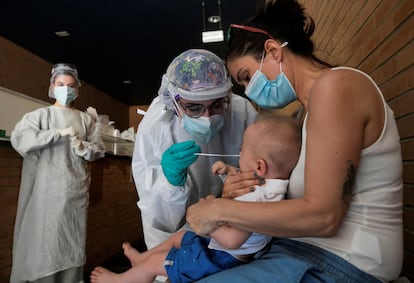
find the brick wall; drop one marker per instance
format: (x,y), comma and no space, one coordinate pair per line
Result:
(10,169)
(376,36)
(113,214)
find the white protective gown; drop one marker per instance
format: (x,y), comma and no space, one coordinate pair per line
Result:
(163,206)
(50,227)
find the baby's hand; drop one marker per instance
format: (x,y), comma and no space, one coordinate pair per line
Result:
(219,168)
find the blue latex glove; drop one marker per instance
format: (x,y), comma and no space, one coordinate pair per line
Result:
(176,159)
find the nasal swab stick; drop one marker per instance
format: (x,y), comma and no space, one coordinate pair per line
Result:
(215,154)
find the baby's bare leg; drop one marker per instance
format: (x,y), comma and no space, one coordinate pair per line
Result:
(103,275)
(136,257)
(131,253)
(146,271)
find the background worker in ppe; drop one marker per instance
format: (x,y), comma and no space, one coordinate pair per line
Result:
(56,142)
(195,111)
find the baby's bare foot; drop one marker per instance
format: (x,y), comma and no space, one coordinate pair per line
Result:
(102,275)
(131,253)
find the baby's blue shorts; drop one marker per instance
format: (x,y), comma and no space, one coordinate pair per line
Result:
(194,260)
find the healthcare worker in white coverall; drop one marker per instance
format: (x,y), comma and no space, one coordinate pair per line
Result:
(194,112)
(56,142)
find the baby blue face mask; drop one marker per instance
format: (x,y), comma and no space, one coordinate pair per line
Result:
(203,129)
(270,94)
(65,94)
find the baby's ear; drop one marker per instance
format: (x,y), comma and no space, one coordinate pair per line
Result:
(261,167)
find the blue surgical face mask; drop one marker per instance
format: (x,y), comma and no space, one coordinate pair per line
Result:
(203,129)
(65,94)
(270,94)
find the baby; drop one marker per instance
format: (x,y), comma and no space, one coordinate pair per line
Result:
(271,147)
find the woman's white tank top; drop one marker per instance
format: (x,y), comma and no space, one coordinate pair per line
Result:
(371,234)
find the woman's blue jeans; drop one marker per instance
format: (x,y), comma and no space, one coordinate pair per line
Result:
(289,261)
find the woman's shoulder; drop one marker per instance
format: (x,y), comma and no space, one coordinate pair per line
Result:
(342,82)
(341,91)
(342,76)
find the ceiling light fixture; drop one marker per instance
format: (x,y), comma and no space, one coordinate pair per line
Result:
(212,35)
(62,33)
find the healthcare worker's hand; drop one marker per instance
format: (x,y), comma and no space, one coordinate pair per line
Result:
(176,159)
(70,131)
(76,143)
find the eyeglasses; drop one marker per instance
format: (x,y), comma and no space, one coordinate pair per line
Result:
(247,28)
(195,110)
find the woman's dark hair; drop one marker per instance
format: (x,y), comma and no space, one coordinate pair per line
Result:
(285,20)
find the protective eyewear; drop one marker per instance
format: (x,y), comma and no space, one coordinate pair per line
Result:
(246,28)
(194,110)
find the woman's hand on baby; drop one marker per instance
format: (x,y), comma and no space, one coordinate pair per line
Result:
(201,217)
(240,183)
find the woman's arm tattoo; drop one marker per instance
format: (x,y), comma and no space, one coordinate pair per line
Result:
(349,183)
